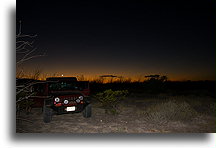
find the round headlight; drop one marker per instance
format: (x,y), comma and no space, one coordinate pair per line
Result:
(57,99)
(81,97)
(78,100)
(66,101)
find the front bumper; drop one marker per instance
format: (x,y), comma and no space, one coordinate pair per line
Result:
(63,109)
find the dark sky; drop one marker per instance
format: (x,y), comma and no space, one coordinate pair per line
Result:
(131,39)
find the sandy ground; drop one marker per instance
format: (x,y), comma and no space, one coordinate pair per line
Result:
(127,121)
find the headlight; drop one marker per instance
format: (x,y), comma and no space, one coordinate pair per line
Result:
(57,99)
(78,100)
(66,101)
(81,97)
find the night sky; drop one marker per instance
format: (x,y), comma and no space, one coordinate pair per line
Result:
(130,39)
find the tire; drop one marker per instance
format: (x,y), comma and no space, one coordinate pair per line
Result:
(47,114)
(87,111)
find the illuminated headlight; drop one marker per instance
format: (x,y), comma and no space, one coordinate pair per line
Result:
(57,99)
(81,97)
(78,100)
(66,101)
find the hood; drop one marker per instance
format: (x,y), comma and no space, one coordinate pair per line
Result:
(60,93)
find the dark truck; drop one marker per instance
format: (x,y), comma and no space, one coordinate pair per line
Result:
(60,95)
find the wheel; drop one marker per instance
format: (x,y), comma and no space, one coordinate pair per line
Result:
(47,114)
(87,111)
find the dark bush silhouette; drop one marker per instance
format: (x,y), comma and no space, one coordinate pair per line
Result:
(110,99)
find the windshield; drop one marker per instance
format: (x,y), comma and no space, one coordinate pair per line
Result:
(63,86)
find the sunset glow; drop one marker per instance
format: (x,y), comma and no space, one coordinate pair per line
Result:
(128,41)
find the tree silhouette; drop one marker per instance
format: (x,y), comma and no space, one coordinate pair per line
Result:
(156,83)
(25,51)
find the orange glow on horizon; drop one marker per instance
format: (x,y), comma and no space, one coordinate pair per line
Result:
(130,76)
(97,78)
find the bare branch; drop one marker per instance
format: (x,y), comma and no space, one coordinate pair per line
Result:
(25,51)
(24,46)
(24,98)
(26,59)
(25,35)
(21,88)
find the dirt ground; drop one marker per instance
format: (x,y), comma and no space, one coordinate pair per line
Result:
(127,121)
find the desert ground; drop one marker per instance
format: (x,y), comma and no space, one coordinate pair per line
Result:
(135,115)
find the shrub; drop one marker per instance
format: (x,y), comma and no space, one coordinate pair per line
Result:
(170,110)
(212,109)
(110,99)
(24,105)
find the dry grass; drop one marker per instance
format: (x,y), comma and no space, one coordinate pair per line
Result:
(169,110)
(171,115)
(212,109)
